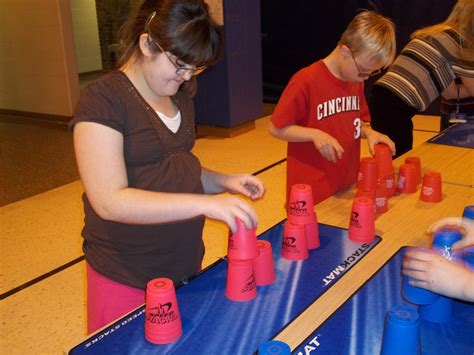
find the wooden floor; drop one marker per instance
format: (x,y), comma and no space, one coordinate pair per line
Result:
(42,269)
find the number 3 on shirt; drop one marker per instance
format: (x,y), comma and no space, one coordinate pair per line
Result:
(357,131)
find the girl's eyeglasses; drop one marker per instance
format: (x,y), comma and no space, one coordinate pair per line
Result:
(181,69)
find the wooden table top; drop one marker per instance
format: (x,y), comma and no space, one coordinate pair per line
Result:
(404,224)
(455,164)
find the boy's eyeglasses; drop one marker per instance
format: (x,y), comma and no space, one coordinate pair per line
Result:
(181,69)
(361,74)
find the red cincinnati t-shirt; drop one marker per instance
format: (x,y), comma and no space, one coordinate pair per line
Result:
(315,98)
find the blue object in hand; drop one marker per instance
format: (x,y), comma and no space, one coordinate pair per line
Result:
(444,238)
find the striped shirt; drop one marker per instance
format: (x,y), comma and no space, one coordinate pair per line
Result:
(425,68)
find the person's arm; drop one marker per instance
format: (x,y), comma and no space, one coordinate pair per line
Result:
(465,87)
(99,155)
(435,273)
(327,145)
(245,184)
(373,137)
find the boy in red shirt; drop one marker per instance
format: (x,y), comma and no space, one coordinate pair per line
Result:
(323,112)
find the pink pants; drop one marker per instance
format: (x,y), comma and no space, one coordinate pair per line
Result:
(107,300)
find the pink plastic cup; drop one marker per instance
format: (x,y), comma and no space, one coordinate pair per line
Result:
(368,174)
(263,267)
(362,224)
(243,243)
(383,154)
(312,235)
(240,285)
(381,198)
(431,189)
(162,320)
(407,179)
(294,244)
(417,163)
(300,204)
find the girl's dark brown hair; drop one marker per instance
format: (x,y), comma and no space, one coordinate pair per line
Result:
(181,27)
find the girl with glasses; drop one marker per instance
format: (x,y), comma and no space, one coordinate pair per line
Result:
(146,194)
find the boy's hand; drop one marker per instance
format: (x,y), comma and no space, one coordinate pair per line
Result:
(374,137)
(327,145)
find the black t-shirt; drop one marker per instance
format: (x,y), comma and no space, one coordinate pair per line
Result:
(156,160)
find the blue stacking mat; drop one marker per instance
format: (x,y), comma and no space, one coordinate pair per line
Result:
(212,324)
(460,135)
(357,326)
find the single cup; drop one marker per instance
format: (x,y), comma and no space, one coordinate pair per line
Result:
(242,244)
(263,267)
(274,347)
(431,189)
(240,285)
(162,319)
(381,198)
(440,311)
(362,223)
(407,179)
(417,163)
(468,212)
(401,332)
(300,204)
(368,174)
(312,235)
(294,244)
(383,154)
(444,238)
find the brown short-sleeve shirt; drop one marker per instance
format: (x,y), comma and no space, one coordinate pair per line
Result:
(156,160)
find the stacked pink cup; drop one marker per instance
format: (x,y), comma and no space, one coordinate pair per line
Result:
(294,244)
(383,154)
(250,264)
(300,213)
(372,185)
(362,223)
(417,163)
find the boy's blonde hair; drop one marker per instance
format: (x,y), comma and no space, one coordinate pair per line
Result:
(461,19)
(372,33)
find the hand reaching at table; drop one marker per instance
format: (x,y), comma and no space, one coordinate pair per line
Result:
(435,273)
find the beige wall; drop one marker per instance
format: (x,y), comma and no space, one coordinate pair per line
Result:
(86,35)
(216,10)
(38,71)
